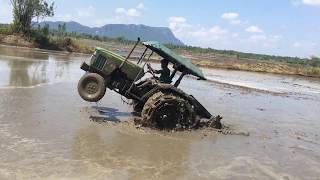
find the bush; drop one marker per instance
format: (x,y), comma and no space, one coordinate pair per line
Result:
(315,63)
(5,29)
(40,37)
(65,42)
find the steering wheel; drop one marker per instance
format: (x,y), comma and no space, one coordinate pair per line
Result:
(150,71)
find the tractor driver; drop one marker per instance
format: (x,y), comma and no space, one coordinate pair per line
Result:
(164,72)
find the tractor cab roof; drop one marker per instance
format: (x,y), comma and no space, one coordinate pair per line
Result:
(174,58)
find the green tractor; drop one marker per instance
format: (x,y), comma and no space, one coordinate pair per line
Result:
(160,104)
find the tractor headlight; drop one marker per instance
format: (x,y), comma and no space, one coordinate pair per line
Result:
(90,60)
(93,57)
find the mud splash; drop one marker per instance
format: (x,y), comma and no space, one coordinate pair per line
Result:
(105,115)
(214,122)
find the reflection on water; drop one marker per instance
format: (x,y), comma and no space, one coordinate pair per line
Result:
(26,73)
(26,68)
(23,52)
(108,114)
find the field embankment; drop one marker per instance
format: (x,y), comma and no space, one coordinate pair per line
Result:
(53,43)
(257,66)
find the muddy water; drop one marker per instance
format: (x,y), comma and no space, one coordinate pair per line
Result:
(46,132)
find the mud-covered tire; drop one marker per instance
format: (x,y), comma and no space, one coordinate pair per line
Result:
(91,87)
(168,111)
(137,106)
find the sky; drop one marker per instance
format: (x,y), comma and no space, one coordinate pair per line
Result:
(275,27)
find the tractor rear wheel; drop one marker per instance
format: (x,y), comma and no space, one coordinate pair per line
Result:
(167,111)
(137,106)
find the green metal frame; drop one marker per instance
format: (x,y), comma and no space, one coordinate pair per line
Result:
(184,64)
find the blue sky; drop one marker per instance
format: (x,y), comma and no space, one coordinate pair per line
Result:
(279,27)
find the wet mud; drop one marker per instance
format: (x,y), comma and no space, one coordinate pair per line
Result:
(48,132)
(105,115)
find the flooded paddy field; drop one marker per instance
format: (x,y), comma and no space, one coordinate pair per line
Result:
(46,131)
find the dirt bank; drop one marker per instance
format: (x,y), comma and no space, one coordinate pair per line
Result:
(67,44)
(14,40)
(256,66)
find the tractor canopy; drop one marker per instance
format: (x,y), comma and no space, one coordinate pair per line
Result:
(174,58)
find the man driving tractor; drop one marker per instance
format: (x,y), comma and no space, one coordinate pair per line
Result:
(164,72)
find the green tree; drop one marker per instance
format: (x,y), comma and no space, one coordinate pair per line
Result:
(62,30)
(45,30)
(120,39)
(24,11)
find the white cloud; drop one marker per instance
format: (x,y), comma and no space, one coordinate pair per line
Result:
(296,2)
(121,15)
(221,38)
(88,16)
(258,37)
(276,37)
(140,6)
(120,10)
(236,22)
(265,40)
(197,34)
(311,2)
(128,16)
(230,16)
(177,19)
(206,34)
(218,30)
(254,29)
(178,24)
(200,33)
(89,11)
(131,12)
(256,41)
(296,45)
(235,35)
(305,2)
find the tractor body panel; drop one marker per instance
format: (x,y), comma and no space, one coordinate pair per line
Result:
(107,62)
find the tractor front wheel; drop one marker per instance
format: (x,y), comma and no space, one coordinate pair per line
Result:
(92,87)
(167,111)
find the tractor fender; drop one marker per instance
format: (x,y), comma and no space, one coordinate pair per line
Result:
(199,108)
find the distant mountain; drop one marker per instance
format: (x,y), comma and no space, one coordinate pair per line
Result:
(128,31)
